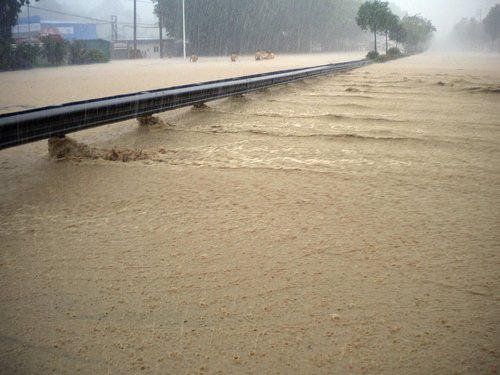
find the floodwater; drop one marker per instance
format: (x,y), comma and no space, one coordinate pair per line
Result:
(341,224)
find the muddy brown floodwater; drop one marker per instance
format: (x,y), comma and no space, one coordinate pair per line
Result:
(342,224)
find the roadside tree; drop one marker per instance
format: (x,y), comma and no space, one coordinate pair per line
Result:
(397,33)
(373,16)
(391,22)
(54,49)
(492,23)
(9,10)
(418,33)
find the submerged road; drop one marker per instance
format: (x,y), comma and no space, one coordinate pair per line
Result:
(345,224)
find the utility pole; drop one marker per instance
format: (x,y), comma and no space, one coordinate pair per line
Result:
(29,21)
(183,27)
(135,29)
(160,26)
(161,36)
(114,35)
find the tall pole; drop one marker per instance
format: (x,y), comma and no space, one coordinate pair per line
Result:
(135,29)
(29,21)
(160,26)
(114,36)
(184,27)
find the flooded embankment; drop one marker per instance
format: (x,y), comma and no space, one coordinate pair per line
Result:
(342,224)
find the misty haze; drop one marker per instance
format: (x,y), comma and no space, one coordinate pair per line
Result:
(249,187)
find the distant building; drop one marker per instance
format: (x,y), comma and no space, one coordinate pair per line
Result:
(146,48)
(28,28)
(31,28)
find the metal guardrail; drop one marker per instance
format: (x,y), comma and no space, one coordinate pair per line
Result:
(41,123)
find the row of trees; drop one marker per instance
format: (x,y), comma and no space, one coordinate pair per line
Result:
(49,50)
(53,50)
(471,34)
(220,27)
(468,34)
(25,55)
(413,32)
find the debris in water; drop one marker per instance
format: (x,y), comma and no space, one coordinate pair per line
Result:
(67,148)
(64,148)
(149,121)
(200,106)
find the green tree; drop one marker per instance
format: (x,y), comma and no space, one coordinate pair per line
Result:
(25,55)
(391,22)
(54,49)
(397,33)
(418,32)
(373,16)
(492,23)
(9,10)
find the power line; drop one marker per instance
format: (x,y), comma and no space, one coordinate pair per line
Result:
(142,25)
(69,14)
(143,1)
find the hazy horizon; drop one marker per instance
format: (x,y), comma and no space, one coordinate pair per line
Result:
(444,14)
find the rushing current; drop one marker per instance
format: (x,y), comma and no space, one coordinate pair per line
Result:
(341,224)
